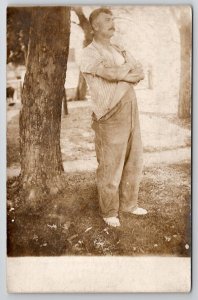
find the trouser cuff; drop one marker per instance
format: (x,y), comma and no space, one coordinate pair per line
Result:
(130,209)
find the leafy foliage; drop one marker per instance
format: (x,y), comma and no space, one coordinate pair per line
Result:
(18,27)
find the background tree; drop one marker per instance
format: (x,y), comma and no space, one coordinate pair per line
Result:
(81,90)
(18,26)
(183,19)
(43,91)
(18,31)
(65,106)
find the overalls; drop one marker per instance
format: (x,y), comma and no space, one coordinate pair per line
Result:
(120,157)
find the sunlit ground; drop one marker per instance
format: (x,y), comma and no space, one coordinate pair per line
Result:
(70,224)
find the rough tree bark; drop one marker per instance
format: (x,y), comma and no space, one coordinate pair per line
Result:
(184,106)
(88,37)
(183,19)
(65,106)
(43,91)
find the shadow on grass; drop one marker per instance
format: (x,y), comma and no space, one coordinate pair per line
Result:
(69,224)
(13,155)
(83,145)
(153,149)
(172,118)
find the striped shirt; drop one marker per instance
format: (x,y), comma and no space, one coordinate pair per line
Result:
(104,94)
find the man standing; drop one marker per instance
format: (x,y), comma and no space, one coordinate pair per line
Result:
(110,73)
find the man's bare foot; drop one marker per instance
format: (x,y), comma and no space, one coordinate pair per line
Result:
(112,221)
(139,211)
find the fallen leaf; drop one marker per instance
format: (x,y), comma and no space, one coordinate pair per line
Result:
(141,250)
(66,226)
(167,238)
(53,226)
(72,237)
(89,228)
(35,237)
(99,244)
(106,231)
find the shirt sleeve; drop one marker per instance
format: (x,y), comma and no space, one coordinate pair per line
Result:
(130,59)
(90,61)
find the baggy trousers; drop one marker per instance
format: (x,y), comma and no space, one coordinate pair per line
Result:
(120,156)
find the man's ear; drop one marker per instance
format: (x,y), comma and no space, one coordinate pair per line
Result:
(95,26)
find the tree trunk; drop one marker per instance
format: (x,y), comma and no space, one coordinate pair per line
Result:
(43,91)
(65,107)
(184,107)
(88,37)
(81,90)
(150,77)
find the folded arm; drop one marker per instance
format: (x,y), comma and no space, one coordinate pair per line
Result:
(92,63)
(135,75)
(116,73)
(121,73)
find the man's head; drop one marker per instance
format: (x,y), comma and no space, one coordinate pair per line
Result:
(101,20)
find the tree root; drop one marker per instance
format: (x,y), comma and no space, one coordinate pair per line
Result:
(34,194)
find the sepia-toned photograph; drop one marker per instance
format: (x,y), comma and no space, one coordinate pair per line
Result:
(99,138)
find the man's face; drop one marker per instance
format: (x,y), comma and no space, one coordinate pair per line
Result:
(104,25)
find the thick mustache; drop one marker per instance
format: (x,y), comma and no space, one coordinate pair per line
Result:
(112,28)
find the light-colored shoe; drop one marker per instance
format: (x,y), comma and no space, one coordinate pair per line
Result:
(112,221)
(139,211)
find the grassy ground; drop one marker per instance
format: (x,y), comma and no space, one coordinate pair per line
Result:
(70,224)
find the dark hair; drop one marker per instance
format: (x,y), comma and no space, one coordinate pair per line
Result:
(98,11)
